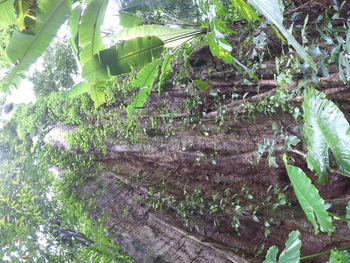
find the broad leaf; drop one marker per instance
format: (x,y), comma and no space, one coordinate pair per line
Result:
(74,21)
(172,37)
(273,11)
(133,5)
(245,9)
(309,199)
(139,100)
(165,71)
(7,13)
(147,75)
(77,90)
(136,53)
(94,71)
(339,257)
(291,253)
(97,94)
(129,19)
(325,127)
(25,47)
(89,29)
(271,255)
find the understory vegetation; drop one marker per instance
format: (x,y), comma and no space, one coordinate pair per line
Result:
(191,80)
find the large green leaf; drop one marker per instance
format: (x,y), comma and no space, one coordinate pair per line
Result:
(139,100)
(77,90)
(337,256)
(309,199)
(7,13)
(245,9)
(94,71)
(136,53)
(129,19)
(25,47)
(147,75)
(291,253)
(273,11)
(172,37)
(90,29)
(133,5)
(97,93)
(74,21)
(165,71)
(325,127)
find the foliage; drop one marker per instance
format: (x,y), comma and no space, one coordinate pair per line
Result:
(290,254)
(325,128)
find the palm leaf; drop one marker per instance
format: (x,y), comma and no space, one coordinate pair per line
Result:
(172,37)
(25,47)
(7,13)
(291,253)
(89,29)
(273,11)
(136,52)
(325,127)
(309,199)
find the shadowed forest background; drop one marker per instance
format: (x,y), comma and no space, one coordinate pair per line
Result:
(175,131)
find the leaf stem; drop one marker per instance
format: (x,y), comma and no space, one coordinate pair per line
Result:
(339,216)
(324,253)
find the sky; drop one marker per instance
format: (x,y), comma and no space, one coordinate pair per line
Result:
(25,94)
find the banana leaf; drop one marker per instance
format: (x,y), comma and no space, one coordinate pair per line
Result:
(139,100)
(136,53)
(26,14)
(325,127)
(89,29)
(147,75)
(172,37)
(273,11)
(129,19)
(165,71)
(134,5)
(7,14)
(309,199)
(74,21)
(77,90)
(25,47)
(291,253)
(97,93)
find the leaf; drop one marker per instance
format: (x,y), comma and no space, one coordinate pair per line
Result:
(245,10)
(172,37)
(165,71)
(339,257)
(309,199)
(136,52)
(202,85)
(74,21)
(347,216)
(24,47)
(133,5)
(97,94)
(291,253)
(325,127)
(222,50)
(26,14)
(94,71)
(89,29)
(129,19)
(147,75)
(139,100)
(271,255)
(273,12)
(77,90)
(7,14)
